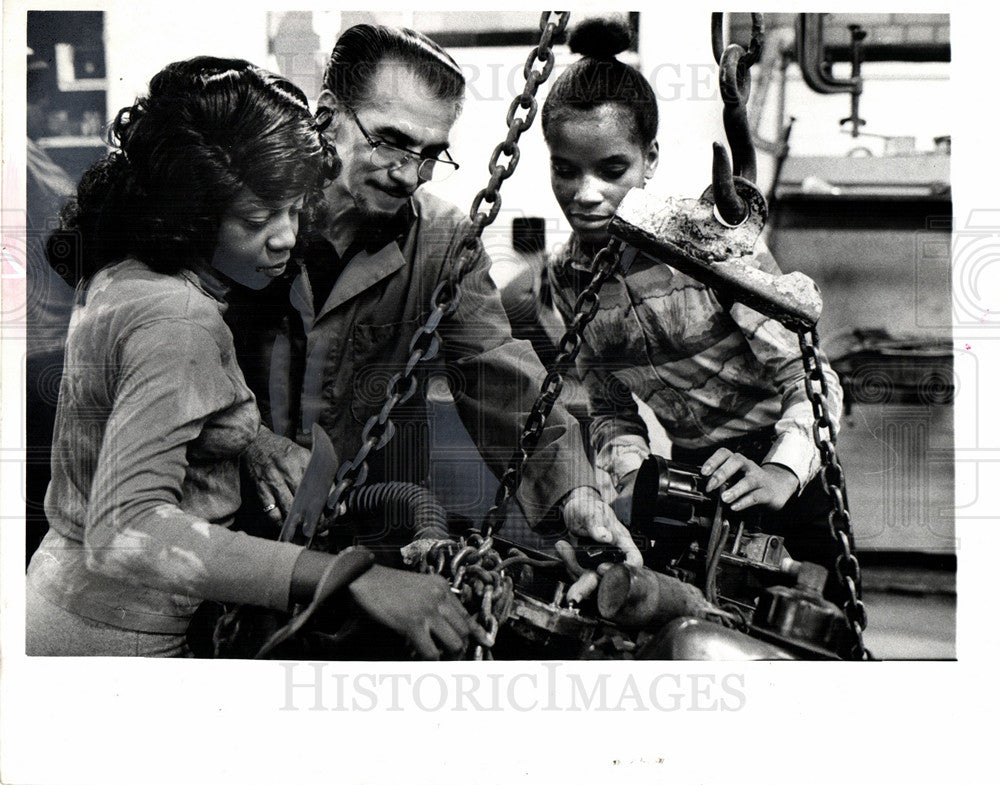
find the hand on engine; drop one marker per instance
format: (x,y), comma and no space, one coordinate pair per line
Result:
(419,607)
(770,485)
(587,515)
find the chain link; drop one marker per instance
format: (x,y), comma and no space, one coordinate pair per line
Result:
(832,477)
(552,24)
(379,428)
(584,310)
(477,575)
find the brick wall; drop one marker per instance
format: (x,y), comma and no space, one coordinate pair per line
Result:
(882,29)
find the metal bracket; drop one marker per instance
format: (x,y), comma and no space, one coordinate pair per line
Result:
(687,234)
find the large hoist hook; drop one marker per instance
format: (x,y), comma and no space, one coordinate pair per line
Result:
(734,62)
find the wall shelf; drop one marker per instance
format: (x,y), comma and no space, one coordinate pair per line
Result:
(62,142)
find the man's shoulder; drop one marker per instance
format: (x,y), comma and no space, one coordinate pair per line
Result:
(433,211)
(435,234)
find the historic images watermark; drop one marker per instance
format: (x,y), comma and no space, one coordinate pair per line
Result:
(545,686)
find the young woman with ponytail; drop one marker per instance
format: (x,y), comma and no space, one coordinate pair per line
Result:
(725,382)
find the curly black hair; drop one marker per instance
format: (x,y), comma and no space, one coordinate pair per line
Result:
(208,129)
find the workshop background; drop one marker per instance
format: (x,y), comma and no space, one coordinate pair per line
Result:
(858,180)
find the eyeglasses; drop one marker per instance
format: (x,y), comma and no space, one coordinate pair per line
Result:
(389,156)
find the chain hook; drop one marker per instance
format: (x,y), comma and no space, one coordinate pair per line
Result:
(734,84)
(752,51)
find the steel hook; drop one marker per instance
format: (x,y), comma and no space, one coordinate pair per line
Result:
(734,85)
(753,49)
(731,208)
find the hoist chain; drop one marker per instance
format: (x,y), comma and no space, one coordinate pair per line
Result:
(734,85)
(734,82)
(379,428)
(584,311)
(424,345)
(832,477)
(476,573)
(552,24)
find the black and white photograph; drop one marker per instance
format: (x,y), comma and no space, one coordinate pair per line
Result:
(464,395)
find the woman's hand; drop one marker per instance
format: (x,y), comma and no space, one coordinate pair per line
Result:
(277,465)
(422,608)
(770,485)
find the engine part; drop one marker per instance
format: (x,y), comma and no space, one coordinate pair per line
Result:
(540,621)
(670,492)
(696,639)
(691,534)
(800,613)
(671,508)
(400,505)
(639,597)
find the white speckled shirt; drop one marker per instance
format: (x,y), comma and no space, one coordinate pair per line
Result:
(152,418)
(709,373)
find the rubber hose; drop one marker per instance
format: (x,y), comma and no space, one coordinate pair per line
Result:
(403,505)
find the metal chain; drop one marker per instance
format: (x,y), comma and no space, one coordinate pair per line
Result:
(584,311)
(478,576)
(552,24)
(379,429)
(832,477)
(424,345)
(734,81)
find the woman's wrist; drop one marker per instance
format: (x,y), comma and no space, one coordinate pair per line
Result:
(312,567)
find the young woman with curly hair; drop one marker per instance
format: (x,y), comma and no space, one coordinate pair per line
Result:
(203,192)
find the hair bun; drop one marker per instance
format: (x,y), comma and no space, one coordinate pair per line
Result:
(601,37)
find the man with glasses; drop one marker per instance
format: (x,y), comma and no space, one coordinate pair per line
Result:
(389,101)
(392,158)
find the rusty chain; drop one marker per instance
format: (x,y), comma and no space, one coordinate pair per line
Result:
(478,576)
(832,477)
(424,345)
(551,25)
(734,82)
(584,311)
